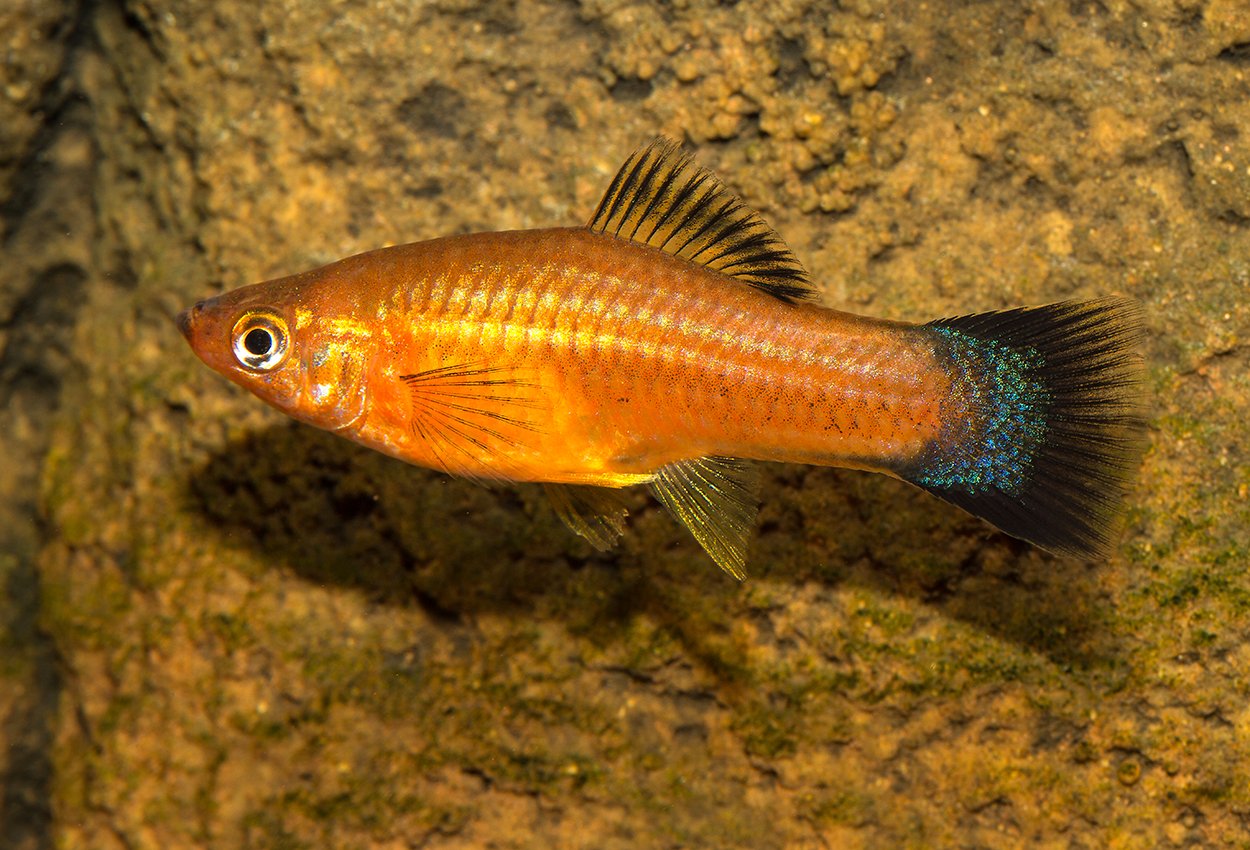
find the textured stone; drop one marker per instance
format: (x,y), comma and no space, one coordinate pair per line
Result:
(271,638)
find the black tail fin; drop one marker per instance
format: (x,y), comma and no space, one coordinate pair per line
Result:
(1047,430)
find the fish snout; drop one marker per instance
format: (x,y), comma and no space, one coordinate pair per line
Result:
(186,319)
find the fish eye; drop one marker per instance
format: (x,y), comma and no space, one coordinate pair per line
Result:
(260,341)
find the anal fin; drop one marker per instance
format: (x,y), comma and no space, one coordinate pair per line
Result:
(596,513)
(717,498)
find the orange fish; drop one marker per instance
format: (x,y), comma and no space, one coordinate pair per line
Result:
(671,342)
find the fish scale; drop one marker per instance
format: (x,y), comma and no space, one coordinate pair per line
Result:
(707,352)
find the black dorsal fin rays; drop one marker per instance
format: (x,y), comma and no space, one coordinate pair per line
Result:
(616,191)
(662,198)
(656,193)
(683,197)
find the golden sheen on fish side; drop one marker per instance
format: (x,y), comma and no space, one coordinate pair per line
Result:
(673,342)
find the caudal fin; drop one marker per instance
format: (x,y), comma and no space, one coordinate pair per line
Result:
(1046,430)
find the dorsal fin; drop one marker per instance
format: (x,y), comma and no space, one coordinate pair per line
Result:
(662,198)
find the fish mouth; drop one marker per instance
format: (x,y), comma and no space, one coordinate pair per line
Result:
(186,319)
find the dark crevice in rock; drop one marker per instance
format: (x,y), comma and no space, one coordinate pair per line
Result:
(47,220)
(29,728)
(54,100)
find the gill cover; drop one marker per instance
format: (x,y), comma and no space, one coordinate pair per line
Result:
(334,386)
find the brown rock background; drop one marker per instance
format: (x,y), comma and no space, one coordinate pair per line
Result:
(221,629)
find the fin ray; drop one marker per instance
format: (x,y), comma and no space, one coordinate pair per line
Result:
(1054,432)
(473,414)
(717,499)
(595,513)
(692,215)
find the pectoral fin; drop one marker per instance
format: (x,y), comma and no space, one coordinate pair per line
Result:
(472,416)
(717,498)
(596,513)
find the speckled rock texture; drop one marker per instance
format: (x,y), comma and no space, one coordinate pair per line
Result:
(222,629)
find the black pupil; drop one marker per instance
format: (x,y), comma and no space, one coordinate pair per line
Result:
(258,342)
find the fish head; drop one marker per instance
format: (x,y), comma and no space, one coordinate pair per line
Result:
(289,343)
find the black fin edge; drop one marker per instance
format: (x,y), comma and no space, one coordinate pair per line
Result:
(662,198)
(1088,366)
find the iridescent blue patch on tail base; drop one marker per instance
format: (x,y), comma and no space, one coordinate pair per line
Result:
(1042,432)
(993,447)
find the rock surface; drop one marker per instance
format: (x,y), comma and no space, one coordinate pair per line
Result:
(223,629)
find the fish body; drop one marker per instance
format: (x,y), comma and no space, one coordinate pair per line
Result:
(670,342)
